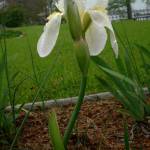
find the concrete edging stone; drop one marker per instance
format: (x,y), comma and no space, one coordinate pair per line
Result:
(66,101)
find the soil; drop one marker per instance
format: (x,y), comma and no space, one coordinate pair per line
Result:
(100,126)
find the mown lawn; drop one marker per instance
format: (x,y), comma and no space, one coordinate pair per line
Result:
(64,79)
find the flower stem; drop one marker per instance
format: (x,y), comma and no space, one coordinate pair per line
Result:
(76,111)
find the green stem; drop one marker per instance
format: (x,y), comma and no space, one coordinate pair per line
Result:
(76,111)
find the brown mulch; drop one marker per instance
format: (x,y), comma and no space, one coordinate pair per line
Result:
(100,126)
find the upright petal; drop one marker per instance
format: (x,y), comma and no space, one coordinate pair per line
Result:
(96,38)
(60,6)
(91,4)
(48,38)
(102,20)
(81,6)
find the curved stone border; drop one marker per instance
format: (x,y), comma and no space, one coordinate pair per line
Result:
(66,101)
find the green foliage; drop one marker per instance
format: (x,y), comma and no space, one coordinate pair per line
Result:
(123,91)
(54,132)
(145,57)
(12,16)
(6,125)
(127,86)
(8,92)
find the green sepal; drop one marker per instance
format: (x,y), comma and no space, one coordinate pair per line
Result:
(83,56)
(74,20)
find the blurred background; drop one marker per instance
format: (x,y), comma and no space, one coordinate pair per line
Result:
(17,12)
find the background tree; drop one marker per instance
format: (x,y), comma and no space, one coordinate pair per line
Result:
(147,3)
(33,8)
(51,5)
(121,6)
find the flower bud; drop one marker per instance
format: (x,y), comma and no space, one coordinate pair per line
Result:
(83,56)
(74,20)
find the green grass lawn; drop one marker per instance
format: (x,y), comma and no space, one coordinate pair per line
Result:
(64,79)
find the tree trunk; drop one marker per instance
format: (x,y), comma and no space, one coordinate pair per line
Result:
(129,9)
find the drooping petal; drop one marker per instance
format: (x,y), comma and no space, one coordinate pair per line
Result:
(96,38)
(91,4)
(60,6)
(102,20)
(113,41)
(48,38)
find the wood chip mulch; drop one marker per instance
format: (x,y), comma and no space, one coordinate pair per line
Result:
(100,126)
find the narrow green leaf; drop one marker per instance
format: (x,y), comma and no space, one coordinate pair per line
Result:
(144,50)
(126,137)
(129,65)
(54,132)
(108,70)
(124,89)
(120,66)
(118,75)
(146,65)
(98,61)
(1,74)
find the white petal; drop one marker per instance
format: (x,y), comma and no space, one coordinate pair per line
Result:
(96,38)
(102,20)
(81,6)
(91,4)
(60,6)
(113,41)
(48,38)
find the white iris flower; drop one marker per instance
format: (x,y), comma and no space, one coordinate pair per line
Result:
(95,35)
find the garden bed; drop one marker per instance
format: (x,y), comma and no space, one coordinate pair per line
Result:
(99,126)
